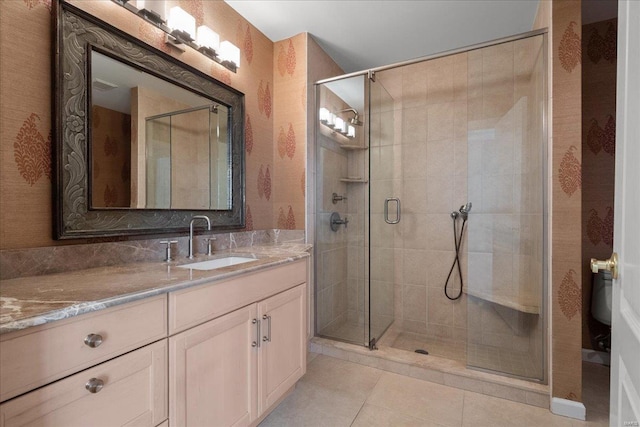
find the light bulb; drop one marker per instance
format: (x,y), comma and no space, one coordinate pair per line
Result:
(182,21)
(229,52)
(208,38)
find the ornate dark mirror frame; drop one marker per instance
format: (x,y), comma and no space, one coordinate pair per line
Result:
(77,33)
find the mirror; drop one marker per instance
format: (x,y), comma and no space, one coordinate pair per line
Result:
(144,142)
(155,145)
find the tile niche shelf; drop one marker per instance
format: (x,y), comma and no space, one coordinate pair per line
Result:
(354,180)
(352,147)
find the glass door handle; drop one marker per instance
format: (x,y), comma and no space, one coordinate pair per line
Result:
(386,210)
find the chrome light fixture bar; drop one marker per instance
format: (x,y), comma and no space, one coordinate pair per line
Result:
(181,32)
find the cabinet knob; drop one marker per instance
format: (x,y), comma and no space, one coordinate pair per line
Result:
(93,340)
(94,385)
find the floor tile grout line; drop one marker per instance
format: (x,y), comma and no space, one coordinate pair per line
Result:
(368,395)
(358,413)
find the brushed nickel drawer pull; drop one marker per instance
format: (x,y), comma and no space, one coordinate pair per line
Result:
(93,340)
(267,338)
(94,385)
(256,343)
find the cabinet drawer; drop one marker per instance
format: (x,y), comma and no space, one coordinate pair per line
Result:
(134,393)
(193,306)
(36,356)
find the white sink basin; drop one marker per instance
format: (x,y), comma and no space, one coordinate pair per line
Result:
(217,263)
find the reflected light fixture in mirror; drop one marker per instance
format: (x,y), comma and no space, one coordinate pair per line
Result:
(337,124)
(180,28)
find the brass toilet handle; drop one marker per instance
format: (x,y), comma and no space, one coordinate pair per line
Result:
(610,264)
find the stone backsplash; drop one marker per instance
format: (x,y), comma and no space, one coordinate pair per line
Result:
(55,259)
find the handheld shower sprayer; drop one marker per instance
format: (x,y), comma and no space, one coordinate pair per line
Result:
(464,210)
(457,240)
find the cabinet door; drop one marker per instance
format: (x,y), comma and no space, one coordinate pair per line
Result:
(133,392)
(212,372)
(282,356)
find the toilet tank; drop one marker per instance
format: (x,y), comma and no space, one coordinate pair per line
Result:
(601,297)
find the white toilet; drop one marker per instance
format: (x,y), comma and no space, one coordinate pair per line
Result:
(601,306)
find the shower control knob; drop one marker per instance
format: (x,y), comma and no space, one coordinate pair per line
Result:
(610,264)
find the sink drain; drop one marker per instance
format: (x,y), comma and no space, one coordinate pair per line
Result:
(421,351)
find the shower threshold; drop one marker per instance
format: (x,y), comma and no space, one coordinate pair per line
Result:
(435,369)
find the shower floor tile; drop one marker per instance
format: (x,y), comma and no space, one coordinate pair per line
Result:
(354,332)
(474,355)
(448,349)
(345,331)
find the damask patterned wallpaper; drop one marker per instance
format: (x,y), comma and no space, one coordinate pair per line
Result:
(566,192)
(598,155)
(111,155)
(275,140)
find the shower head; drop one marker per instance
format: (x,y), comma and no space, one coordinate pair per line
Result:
(355,120)
(464,210)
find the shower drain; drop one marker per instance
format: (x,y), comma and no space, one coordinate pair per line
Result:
(421,351)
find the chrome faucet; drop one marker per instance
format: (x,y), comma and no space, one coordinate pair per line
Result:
(206,218)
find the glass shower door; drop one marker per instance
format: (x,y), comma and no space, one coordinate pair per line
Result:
(384,211)
(341,158)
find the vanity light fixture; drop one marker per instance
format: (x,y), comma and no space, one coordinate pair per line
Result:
(181,32)
(147,9)
(230,53)
(208,40)
(183,25)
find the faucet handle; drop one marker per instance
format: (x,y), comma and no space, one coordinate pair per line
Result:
(168,256)
(209,241)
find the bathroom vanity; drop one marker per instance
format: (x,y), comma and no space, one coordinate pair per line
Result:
(168,346)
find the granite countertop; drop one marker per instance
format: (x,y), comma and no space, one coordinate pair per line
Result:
(35,300)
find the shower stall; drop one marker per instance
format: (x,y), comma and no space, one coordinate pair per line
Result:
(428,169)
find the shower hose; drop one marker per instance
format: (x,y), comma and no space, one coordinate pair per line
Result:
(458,243)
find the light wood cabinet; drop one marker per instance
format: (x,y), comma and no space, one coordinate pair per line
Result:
(230,370)
(283,353)
(37,356)
(213,372)
(218,354)
(134,392)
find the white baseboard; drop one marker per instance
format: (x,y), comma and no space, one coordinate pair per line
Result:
(595,356)
(568,408)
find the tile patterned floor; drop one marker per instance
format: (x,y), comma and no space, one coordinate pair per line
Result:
(337,393)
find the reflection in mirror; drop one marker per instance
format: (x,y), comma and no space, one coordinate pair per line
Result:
(155,145)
